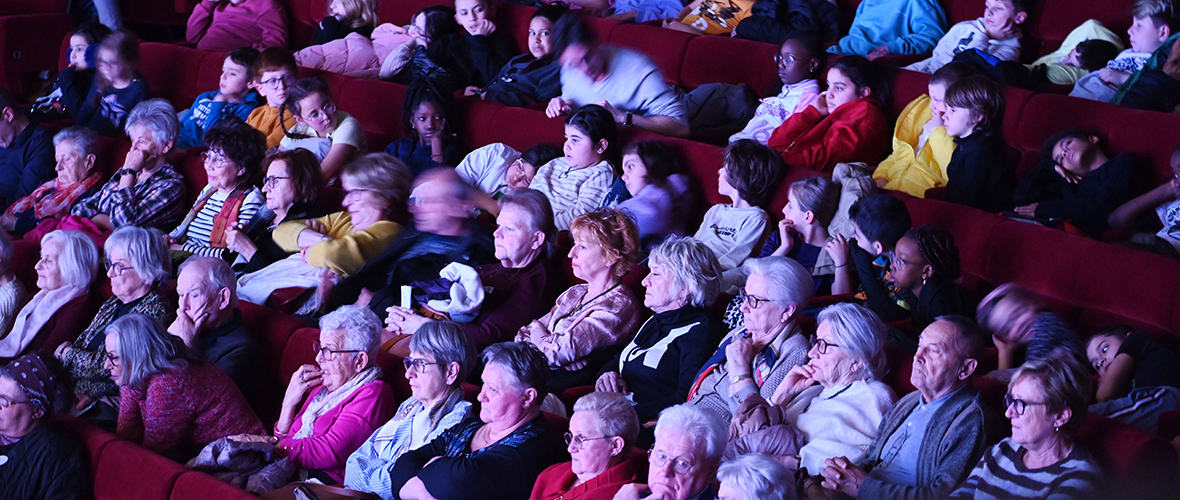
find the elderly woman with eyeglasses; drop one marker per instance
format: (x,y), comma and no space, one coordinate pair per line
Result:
(682,465)
(76,149)
(346,399)
(829,407)
(754,358)
(441,357)
(292,186)
(1046,403)
(601,436)
(138,265)
(230,199)
(42,460)
(499,455)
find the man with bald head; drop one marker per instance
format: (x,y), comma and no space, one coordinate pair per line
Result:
(207,320)
(933,436)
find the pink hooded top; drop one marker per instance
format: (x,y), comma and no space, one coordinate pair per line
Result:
(223,27)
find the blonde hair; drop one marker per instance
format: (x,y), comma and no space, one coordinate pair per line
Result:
(360,13)
(614,231)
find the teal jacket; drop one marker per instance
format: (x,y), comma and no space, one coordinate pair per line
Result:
(904,26)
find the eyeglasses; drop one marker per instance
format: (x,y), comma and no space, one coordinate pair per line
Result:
(418,364)
(659,459)
(5,403)
(112,358)
(357,192)
(214,159)
(784,61)
(119,268)
(1018,404)
(902,262)
(751,300)
(274,83)
(822,345)
(579,441)
(328,354)
(270,180)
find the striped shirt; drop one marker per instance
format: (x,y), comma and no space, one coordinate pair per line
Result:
(1001,474)
(196,235)
(573,192)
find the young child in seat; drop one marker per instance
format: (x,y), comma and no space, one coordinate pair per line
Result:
(886,27)
(979,174)
(1086,49)
(71,85)
(747,177)
(660,192)
(996,33)
(1164,200)
(799,60)
(1138,376)
(921,148)
(803,235)
(344,17)
(117,88)
(880,221)
(334,136)
(480,50)
(497,169)
(234,97)
(225,25)
(1154,22)
(577,182)
(274,74)
(432,143)
(847,123)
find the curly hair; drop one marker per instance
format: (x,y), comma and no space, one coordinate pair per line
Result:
(423,91)
(614,231)
(242,144)
(938,249)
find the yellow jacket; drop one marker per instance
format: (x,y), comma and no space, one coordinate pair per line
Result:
(348,251)
(914,172)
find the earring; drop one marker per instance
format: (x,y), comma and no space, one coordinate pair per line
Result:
(1056,429)
(923,281)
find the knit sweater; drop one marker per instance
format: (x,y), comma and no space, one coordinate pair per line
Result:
(348,250)
(838,421)
(856,131)
(902,26)
(517,297)
(223,26)
(573,330)
(557,482)
(910,169)
(197,234)
(1001,474)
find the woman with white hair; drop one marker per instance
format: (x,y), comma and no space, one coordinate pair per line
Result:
(602,433)
(76,149)
(138,265)
(754,359)
(146,192)
(829,407)
(658,366)
(12,291)
(172,401)
(57,312)
(755,477)
(682,464)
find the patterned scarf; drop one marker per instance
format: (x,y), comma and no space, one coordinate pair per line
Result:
(324,401)
(54,198)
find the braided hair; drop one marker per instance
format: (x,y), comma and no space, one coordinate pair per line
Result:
(938,249)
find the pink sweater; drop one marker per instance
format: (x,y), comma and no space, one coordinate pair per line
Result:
(223,26)
(340,431)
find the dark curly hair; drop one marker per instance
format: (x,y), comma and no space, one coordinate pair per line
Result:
(938,249)
(421,91)
(240,143)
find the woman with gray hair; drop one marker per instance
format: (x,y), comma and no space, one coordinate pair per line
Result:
(172,401)
(829,407)
(147,191)
(59,309)
(755,477)
(138,265)
(346,398)
(441,357)
(76,149)
(602,433)
(658,366)
(12,291)
(754,358)
(682,464)
(499,455)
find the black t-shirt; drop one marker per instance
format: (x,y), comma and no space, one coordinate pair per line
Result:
(1155,364)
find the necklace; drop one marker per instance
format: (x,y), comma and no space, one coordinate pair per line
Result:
(582,303)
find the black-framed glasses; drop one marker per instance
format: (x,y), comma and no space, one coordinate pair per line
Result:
(270,180)
(119,268)
(273,83)
(112,358)
(1019,404)
(753,301)
(822,345)
(659,459)
(418,364)
(5,402)
(329,353)
(784,61)
(579,441)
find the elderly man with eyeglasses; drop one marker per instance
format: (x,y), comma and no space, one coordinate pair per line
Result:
(683,463)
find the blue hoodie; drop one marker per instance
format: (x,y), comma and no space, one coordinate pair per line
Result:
(205,113)
(904,26)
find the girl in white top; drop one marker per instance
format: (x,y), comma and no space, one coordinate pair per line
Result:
(334,136)
(577,182)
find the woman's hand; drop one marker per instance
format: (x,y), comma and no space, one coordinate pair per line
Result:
(739,356)
(237,241)
(303,380)
(837,248)
(843,476)
(797,380)
(611,382)
(403,320)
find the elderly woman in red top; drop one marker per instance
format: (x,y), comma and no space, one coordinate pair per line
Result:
(171,401)
(75,149)
(603,430)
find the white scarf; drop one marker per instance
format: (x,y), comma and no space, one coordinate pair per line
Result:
(323,401)
(33,317)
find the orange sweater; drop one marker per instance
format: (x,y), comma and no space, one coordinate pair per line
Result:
(857,131)
(266,120)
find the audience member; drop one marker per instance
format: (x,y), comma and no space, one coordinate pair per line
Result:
(480,50)
(880,221)
(273,75)
(755,357)
(44,460)
(117,89)
(1138,377)
(535,76)
(886,27)
(932,437)
(171,401)
(755,477)
(600,440)
(344,18)
(72,84)
(588,319)
(76,149)
(334,136)
(979,174)
(748,175)
(499,455)
(233,97)
(661,197)
(846,123)
(441,358)
(579,181)
(798,60)
(225,25)
(771,24)
(146,192)
(1164,200)
(622,81)
(682,464)
(1046,403)
(709,17)
(57,312)
(997,33)
(1021,328)
(26,152)
(923,270)
(12,292)
(1085,49)
(1153,23)
(138,265)
(426,117)
(497,169)
(427,55)
(803,236)
(233,153)
(293,186)
(657,368)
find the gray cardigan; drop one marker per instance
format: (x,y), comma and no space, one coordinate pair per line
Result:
(959,434)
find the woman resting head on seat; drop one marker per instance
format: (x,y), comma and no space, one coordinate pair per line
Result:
(601,436)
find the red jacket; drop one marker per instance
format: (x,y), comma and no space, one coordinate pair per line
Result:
(554,482)
(857,131)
